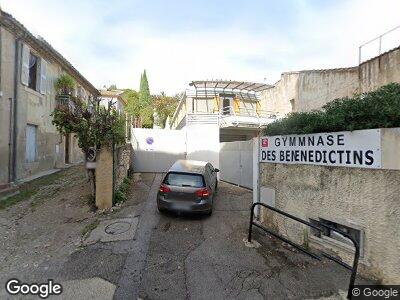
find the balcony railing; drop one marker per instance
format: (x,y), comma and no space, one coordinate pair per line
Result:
(228,117)
(242,117)
(244,112)
(63,99)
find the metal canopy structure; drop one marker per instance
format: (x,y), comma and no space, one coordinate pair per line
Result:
(230,85)
(245,90)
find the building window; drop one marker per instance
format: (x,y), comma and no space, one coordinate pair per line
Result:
(31,143)
(33,71)
(355,233)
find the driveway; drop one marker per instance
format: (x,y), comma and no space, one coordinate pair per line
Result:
(206,257)
(167,257)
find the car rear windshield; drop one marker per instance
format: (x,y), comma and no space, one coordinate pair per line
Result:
(180,179)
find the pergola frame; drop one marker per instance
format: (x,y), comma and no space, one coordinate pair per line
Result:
(247,90)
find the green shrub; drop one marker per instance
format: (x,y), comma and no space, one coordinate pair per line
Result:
(64,84)
(121,194)
(376,109)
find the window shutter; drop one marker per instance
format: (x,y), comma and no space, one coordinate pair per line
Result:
(25,65)
(258,108)
(43,73)
(236,105)
(216,104)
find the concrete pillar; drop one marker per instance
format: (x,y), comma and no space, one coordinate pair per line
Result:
(104,178)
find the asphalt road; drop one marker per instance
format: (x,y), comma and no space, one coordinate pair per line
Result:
(200,257)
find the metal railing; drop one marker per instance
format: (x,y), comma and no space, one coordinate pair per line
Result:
(379,39)
(201,118)
(352,268)
(245,112)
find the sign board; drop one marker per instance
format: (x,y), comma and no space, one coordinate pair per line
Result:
(361,149)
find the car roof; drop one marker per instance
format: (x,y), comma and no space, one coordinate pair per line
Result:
(189,166)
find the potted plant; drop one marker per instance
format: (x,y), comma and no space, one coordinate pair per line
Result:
(64,86)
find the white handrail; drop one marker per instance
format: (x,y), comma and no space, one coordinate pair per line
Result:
(373,40)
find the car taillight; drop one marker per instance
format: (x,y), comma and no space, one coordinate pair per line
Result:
(164,189)
(203,193)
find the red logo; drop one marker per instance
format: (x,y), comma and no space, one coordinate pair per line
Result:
(264,142)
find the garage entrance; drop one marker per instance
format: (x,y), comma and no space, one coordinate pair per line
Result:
(236,163)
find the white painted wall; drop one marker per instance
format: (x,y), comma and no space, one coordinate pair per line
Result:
(158,156)
(196,142)
(203,142)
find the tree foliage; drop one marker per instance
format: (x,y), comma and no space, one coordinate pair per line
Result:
(133,106)
(164,107)
(112,87)
(64,84)
(94,127)
(145,102)
(376,109)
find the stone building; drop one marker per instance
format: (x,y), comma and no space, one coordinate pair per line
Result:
(311,89)
(114,98)
(29,142)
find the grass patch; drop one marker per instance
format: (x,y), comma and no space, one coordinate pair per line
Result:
(29,189)
(22,196)
(121,194)
(89,227)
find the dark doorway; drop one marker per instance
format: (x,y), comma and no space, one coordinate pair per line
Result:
(67,149)
(226,103)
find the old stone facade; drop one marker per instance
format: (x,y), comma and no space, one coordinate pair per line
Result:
(29,142)
(311,89)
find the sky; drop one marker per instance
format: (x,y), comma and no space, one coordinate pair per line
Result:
(112,42)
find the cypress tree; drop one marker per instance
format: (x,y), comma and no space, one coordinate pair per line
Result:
(144,92)
(145,100)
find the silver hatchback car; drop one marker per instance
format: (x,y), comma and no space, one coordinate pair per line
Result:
(189,186)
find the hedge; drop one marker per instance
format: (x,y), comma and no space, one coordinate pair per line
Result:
(376,109)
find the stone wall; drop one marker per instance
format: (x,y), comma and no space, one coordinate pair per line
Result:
(122,163)
(380,70)
(311,89)
(281,98)
(364,199)
(318,87)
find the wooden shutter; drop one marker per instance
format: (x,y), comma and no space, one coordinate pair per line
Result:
(25,65)
(236,105)
(258,108)
(43,73)
(216,104)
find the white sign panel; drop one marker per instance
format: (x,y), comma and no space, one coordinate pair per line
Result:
(361,148)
